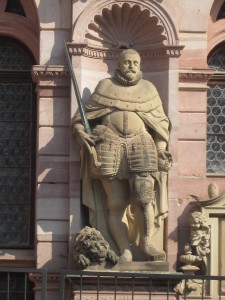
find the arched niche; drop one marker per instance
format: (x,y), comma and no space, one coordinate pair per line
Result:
(24,28)
(104,28)
(216,28)
(130,13)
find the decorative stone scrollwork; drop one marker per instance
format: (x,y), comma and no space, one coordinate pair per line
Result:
(84,50)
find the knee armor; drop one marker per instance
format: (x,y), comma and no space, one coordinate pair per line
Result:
(142,190)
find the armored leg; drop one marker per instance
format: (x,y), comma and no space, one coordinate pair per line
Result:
(143,199)
(117,192)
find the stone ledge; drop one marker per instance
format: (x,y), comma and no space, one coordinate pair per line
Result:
(132,266)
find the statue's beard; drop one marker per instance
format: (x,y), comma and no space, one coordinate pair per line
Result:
(130,75)
(129,78)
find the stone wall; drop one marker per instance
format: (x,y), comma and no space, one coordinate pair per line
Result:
(180,73)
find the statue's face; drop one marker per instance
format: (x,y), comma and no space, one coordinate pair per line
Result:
(130,66)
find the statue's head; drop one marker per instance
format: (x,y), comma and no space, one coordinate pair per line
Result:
(129,64)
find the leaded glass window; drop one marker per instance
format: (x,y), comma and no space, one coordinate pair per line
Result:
(216,117)
(216,129)
(17,132)
(221,14)
(13,57)
(15,7)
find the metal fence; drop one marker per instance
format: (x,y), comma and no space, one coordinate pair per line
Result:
(80,285)
(16,285)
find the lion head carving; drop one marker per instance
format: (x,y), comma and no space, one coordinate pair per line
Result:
(91,248)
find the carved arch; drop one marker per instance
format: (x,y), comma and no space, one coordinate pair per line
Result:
(216,29)
(96,12)
(24,29)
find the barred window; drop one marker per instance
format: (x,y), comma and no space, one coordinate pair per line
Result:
(17,145)
(216,115)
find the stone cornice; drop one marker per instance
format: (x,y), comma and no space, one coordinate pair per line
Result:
(84,50)
(216,201)
(218,77)
(40,72)
(195,75)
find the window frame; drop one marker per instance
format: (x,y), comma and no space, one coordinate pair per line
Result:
(24,76)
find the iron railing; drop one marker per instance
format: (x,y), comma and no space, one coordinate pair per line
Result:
(76,285)
(139,285)
(15,283)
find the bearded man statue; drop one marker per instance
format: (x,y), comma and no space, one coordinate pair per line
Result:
(124,162)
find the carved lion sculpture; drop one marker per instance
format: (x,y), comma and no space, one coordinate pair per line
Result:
(91,248)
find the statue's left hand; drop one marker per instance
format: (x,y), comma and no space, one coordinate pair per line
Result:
(165,160)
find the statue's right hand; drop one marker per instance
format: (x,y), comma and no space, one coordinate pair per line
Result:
(85,139)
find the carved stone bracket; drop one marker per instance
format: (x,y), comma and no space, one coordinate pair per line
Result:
(49,72)
(85,50)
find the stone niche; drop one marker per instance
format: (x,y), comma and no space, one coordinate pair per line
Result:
(106,27)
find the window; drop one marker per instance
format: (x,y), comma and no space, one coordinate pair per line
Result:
(17,145)
(15,7)
(216,115)
(221,14)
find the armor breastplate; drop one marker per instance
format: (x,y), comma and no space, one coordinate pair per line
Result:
(123,123)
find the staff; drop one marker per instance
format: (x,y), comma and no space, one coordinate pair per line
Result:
(84,119)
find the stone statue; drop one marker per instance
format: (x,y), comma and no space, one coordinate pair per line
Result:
(200,239)
(91,248)
(125,162)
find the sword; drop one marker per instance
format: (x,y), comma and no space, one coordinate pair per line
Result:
(84,118)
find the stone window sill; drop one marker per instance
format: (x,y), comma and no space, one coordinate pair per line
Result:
(17,258)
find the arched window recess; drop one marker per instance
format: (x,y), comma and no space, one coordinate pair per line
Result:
(17,145)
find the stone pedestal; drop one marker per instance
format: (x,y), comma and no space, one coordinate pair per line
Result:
(132,266)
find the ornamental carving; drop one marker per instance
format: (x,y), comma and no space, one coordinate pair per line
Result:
(199,239)
(46,72)
(195,256)
(195,75)
(125,24)
(85,50)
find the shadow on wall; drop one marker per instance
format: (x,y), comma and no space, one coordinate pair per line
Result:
(183,233)
(56,171)
(55,19)
(52,208)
